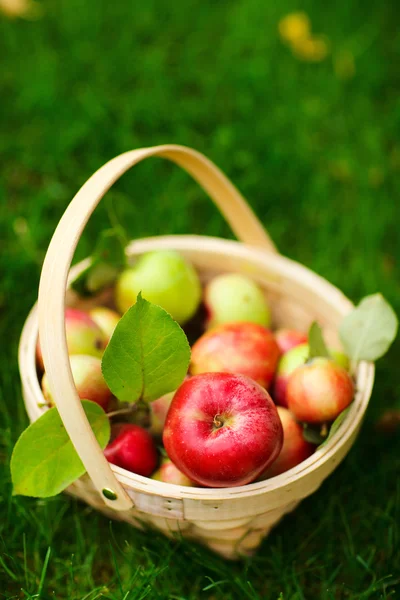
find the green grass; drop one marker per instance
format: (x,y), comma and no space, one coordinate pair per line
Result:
(319,159)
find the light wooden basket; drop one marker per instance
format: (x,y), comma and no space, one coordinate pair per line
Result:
(230,521)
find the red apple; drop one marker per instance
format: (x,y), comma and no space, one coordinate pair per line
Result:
(289,338)
(293,358)
(295,448)
(169,473)
(241,348)
(89,381)
(319,390)
(288,363)
(222,429)
(84,336)
(132,448)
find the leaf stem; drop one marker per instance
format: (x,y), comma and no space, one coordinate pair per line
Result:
(123,411)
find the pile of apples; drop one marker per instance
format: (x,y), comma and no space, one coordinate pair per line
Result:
(239,415)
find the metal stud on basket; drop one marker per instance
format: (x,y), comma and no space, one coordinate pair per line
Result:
(230,521)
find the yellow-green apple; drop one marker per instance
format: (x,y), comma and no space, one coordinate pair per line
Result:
(106,319)
(84,336)
(132,448)
(89,381)
(165,278)
(292,359)
(232,298)
(169,473)
(295,448)
(222,429)
(158,412)
(242,348)
(319,390)
(289,338)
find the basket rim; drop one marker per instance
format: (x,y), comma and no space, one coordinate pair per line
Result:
(197,244)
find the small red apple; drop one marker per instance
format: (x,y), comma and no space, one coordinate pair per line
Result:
(169,473)
(292,359)
(295,448)
(241,348)
(288,363)
(319,390)
(289,338)
(88,378)
(222,429)
(132,448)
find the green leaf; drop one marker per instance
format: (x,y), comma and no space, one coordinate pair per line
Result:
(108,260)
(148,354)
(368,331)
(316,342)
(335,425)
(44,461)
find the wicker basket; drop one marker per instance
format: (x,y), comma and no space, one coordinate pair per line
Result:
(230,521)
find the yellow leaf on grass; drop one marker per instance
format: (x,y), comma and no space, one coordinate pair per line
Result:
(294,27)
(312,49)
(21,8)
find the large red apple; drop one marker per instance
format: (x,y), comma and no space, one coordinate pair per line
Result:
(319,390)
(132,448)
(222,429)
(241,348)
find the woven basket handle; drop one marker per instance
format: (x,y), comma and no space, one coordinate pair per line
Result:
(54,278)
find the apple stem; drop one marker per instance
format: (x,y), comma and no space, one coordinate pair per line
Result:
(217,421)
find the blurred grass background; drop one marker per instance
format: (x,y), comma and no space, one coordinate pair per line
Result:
(312,140)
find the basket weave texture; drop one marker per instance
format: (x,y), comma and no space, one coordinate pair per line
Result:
(230,521)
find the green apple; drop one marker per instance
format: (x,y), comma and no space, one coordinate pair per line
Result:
(232,298)
(165,278)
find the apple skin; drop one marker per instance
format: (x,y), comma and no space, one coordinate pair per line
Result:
(222,430)
(319,390)
(106,319)
(295,448)
(289,338)
(292,359)
(165,278)
(233,298)
(89,381)
(132,448)
(241,348)
(158,412)
(84,336)
(169,473)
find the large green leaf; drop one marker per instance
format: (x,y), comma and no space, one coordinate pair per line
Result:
(44,461)
(367,332)
(316,342)
(148,354)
